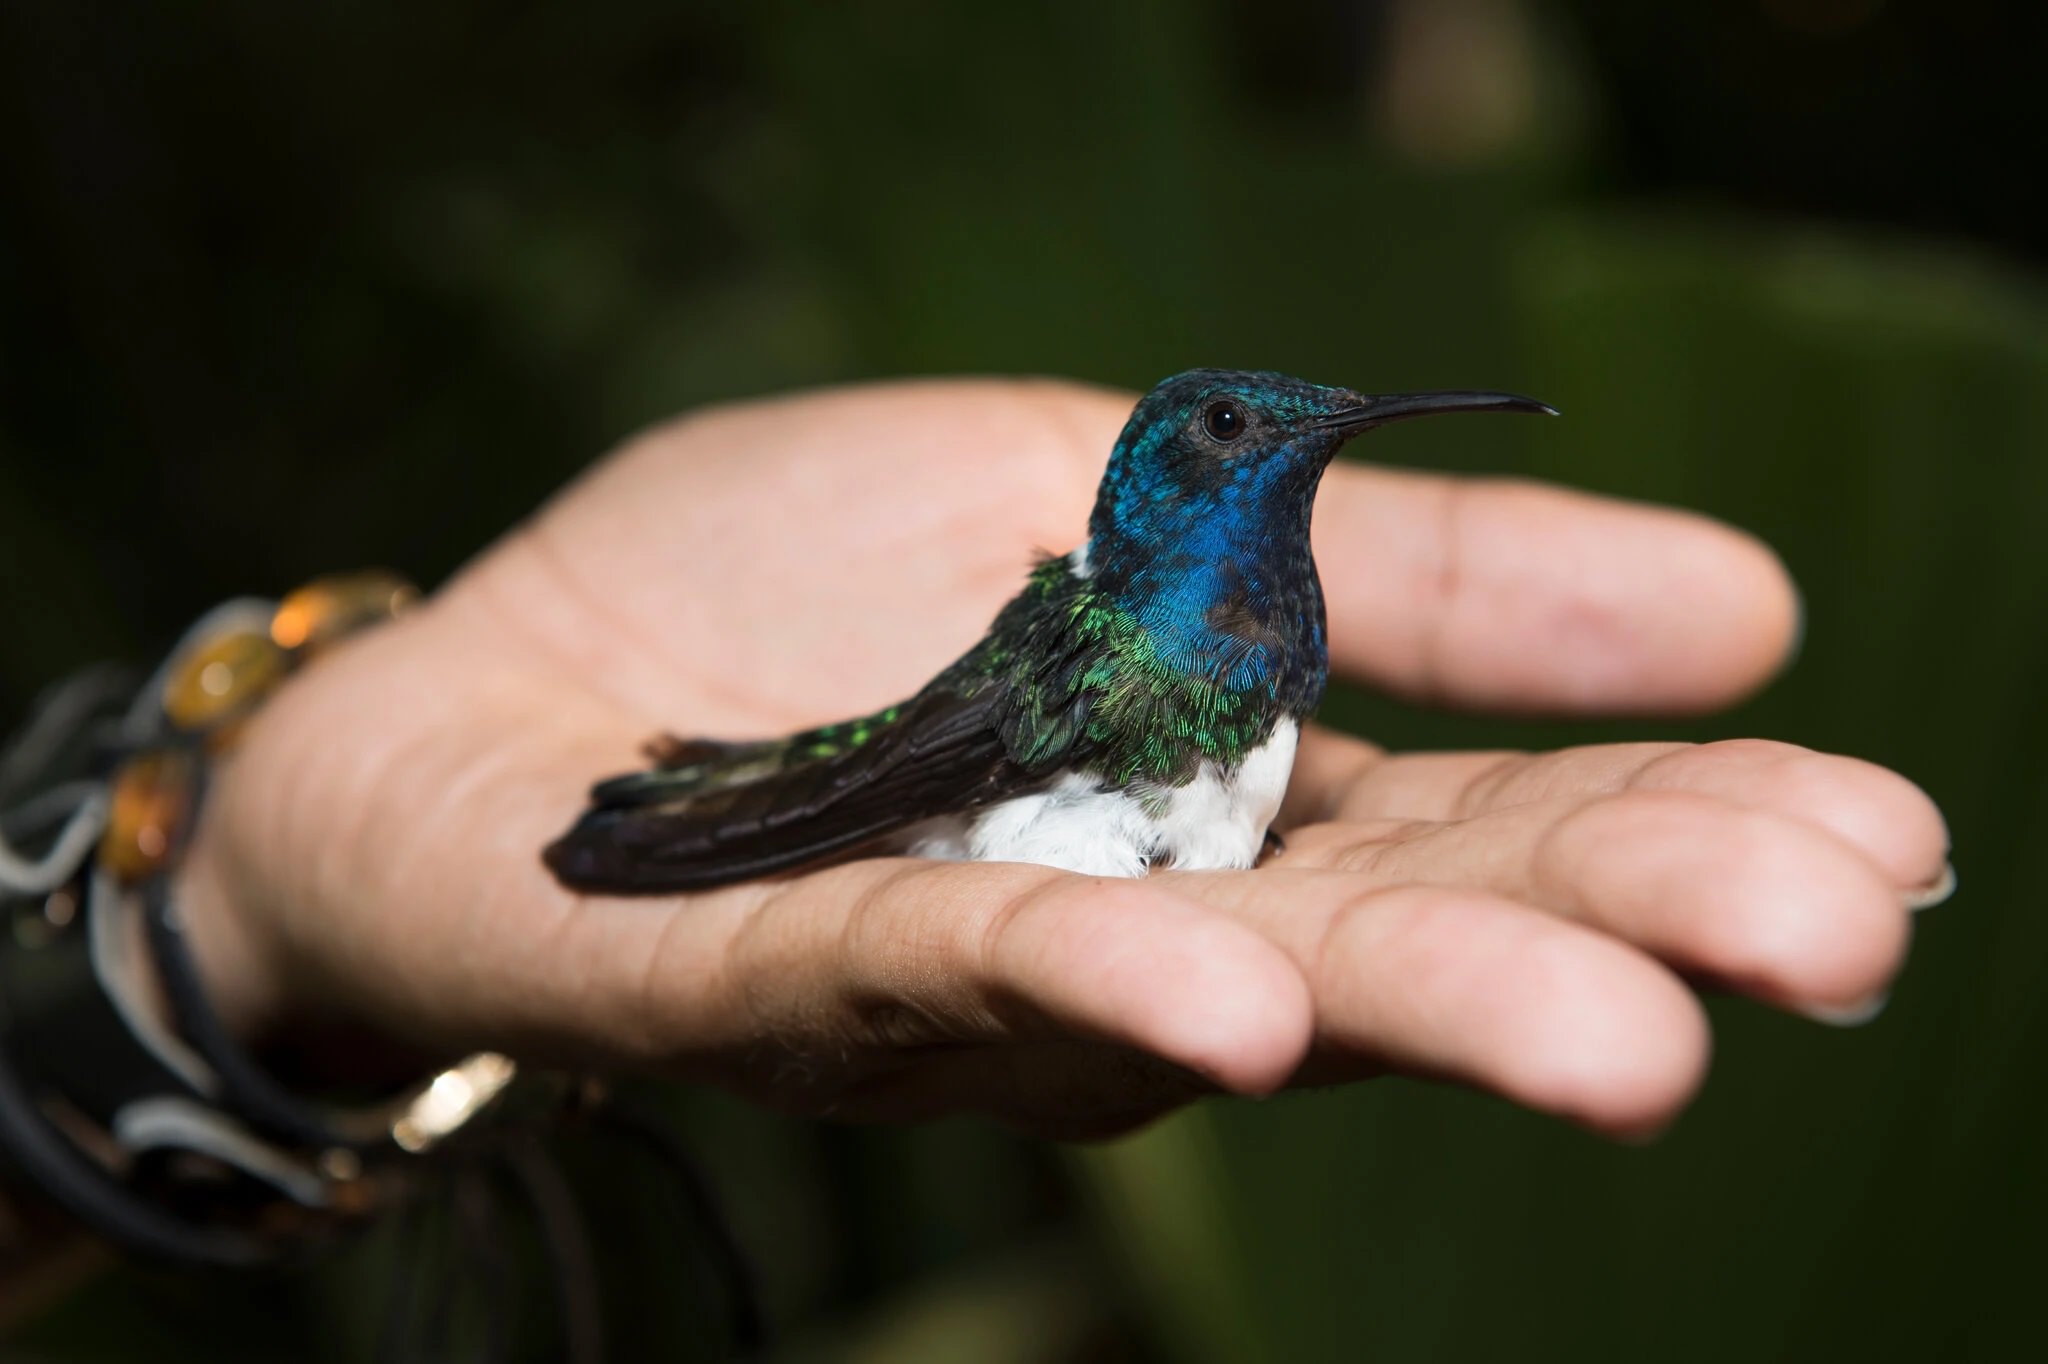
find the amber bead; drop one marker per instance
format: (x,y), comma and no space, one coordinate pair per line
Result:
(329,608)
(221,676)
(151,805)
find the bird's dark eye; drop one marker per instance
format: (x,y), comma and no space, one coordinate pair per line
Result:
(1224,420)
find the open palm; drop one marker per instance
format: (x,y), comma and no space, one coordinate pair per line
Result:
(1520,922)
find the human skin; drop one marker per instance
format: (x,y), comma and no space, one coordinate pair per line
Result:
(368,868)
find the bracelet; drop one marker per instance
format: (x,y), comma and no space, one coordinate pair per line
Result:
(172,1141)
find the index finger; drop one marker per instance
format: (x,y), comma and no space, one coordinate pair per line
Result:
(1506,595)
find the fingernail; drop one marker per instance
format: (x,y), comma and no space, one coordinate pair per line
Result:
(1935,891)
(1848,1015)
(1796,645)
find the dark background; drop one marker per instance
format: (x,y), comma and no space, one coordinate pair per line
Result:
(289,288)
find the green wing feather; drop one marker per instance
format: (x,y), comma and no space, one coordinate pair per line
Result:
(781,804)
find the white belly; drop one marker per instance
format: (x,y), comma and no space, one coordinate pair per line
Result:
(1214,821)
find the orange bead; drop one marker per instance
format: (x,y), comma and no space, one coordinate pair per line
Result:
(223,675)
(147,817)
(328,608)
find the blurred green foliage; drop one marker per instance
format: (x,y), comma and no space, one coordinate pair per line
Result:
(289,289)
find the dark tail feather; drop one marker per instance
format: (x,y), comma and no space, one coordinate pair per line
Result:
(595,858)
(775,806)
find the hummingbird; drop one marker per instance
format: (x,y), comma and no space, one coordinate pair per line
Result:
(1136,705)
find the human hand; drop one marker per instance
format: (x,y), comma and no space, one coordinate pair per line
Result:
(370,858)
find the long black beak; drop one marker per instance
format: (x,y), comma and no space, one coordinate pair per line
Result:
(1394,407)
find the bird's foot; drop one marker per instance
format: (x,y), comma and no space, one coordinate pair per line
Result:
(668,751)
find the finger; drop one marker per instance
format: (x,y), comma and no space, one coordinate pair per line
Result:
(1879,813)
(899,955)
(1514,596)
(1768,904)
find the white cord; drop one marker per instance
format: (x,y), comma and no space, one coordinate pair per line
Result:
(26,876)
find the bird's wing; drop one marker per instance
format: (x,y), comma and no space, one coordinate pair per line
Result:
(725,813)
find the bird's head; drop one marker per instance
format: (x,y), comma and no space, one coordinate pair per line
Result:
(1215,450)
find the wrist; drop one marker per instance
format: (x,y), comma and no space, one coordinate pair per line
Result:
(237,961)
(268,886)
(128,1091)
